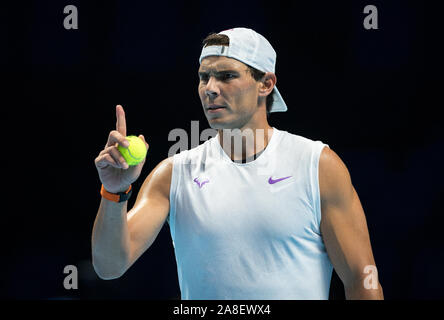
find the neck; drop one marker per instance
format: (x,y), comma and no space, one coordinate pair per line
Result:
(243,143)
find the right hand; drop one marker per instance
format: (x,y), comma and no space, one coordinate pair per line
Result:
(114,173)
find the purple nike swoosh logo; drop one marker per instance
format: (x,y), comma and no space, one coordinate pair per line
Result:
(271,181)
(200,184)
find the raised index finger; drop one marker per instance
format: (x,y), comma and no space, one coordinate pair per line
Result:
(121,122)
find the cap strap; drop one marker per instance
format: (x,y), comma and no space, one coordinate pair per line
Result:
(214,51)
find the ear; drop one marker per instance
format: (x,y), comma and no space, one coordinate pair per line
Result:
(267,84)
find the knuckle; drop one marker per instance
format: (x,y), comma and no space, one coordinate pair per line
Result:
(108,159)
(115,135)
(115,151)
(104,151)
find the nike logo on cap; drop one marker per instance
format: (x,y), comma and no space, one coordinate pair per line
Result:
(271,181)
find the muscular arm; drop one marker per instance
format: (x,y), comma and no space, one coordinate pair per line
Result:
(119,237)
(344,229)
(148,215)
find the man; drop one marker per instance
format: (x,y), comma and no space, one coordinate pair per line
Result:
(266,218)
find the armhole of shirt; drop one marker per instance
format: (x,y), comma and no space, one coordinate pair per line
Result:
(175,180)
(316,193)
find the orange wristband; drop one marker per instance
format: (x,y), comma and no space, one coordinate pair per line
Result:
(116,197)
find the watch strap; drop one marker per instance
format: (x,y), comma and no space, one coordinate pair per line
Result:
(116,197)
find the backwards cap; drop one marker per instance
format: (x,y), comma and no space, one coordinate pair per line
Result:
(251,48)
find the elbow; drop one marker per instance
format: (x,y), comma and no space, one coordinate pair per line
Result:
(107,275)
(364,287)
(107,271)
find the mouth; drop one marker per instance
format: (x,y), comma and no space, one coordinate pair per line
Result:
(212,108)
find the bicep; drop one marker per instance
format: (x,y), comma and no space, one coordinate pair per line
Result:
(148,215)
(343,224)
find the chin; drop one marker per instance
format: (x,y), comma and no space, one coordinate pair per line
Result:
(218,123)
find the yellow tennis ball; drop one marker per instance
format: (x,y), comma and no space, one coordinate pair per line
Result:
(136,151)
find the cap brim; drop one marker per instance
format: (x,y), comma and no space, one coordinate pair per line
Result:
(278,103)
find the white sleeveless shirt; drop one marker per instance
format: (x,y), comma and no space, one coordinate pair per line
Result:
(249,230)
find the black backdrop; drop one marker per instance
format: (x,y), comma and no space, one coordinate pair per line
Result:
(364,92)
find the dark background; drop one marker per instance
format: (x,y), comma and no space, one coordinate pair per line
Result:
(364,92)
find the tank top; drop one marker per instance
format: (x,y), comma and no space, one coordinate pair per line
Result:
(249,230)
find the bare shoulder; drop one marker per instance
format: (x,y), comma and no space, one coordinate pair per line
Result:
(334,178)
(164,168)
(158,182)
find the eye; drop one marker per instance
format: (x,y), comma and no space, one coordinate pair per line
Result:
(203,77)
(227,76)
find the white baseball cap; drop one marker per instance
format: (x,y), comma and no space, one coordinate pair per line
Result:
(251,48)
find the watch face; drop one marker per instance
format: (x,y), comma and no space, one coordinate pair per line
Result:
(125,196)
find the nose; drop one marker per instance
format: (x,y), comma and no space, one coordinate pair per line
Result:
(211,90)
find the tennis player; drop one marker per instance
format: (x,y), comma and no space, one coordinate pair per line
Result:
(268,218)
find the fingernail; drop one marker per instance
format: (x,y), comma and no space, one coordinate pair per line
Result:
(126,143)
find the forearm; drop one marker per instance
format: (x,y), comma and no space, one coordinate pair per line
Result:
(358,291)
(110,240)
